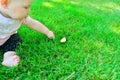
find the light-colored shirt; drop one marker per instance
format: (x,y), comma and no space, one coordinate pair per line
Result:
(7,28)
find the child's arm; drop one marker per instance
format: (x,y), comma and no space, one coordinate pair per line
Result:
(34,24)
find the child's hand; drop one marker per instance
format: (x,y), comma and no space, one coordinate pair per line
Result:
(50,35)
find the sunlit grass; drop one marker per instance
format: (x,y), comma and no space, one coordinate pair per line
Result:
(115,28)
(92,50)
(106,6)
(60,1)
(47,4)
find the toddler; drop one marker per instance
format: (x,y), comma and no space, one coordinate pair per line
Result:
(13,13)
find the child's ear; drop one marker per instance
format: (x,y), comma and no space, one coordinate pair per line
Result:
(4,3)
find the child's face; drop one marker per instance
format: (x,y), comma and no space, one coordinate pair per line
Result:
(18,9)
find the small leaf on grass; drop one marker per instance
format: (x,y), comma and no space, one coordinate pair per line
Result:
(63,40)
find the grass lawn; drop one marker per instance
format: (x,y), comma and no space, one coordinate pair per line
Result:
(92,50)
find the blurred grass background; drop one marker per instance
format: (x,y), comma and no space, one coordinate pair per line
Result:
(92,50)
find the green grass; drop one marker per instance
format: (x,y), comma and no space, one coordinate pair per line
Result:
(92,50)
